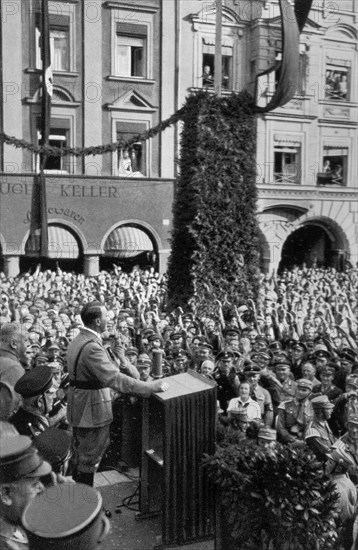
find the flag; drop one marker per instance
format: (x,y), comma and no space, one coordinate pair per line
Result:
(39,225)
(293,16)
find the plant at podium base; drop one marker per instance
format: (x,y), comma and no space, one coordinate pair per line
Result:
(272,501)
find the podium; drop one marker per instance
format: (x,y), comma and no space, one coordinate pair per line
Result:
(178,427)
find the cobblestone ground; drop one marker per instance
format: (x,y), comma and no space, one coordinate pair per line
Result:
(127,533)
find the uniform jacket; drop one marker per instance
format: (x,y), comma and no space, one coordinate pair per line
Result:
(93,408)
(11,371)
(288,413)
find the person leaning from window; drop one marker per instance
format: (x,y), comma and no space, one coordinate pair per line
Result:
(92,376)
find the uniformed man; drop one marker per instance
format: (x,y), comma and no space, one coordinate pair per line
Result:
(350,442)
(345,406)
(38,393)
(226,379)
(338,464)
(295,415)
(67,516)
(318,434)
(298,351)
(288,385)
(326,387)
(92,377)
(144,365)
(252,374)
(266,439)
(13,345)
(21,469)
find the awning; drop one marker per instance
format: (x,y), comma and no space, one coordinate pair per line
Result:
(61,244)
(127,242)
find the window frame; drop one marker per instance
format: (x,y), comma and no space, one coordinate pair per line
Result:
(65,21)
(133,126)
(342,70)
(283,177)
(63,124)
(339,158)
(143,18)
(141,43)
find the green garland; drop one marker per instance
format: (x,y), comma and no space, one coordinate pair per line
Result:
(215,233)
(94,150)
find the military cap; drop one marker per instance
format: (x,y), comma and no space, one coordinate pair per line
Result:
(263,354)
(304,383)
(231,330)
(143,361)
(34,382)
(146,332)
(168,328)
(53,346)
(348,354)
(53,445)
(321,351)
(252,369)
(321,402)
(19,459)
(275,346)
(176,335)
(290,342)
(353,418)
(206,345)
(267,433)
(154,336)
(283,363)
(35,345)
(131,351)
(260,338)
(299,346)
(181,355)
(329,369)
(67,516)
(341,457)
(352,380)
(320,340)
(225,355)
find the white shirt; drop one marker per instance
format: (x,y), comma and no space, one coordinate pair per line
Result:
(251,407)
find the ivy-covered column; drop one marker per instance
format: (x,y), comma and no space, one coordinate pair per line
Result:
(215,231)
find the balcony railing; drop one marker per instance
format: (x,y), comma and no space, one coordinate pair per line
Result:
(283,177)
(329,179)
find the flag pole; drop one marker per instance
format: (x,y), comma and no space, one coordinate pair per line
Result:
(45,122)
(218,49)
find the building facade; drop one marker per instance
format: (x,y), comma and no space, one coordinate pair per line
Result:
(119,69)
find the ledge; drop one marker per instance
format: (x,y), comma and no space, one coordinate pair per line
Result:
(130,79)
(67,74)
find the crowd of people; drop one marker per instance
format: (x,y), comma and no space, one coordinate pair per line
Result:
(285,368)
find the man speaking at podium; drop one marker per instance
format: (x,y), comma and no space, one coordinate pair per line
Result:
(92,376)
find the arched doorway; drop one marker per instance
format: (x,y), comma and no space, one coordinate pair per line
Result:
(128,246)
(64,250)
(311,245)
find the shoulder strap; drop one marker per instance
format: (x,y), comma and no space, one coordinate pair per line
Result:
(78,358)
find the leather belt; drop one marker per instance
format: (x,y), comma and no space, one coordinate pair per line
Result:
(89,385)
